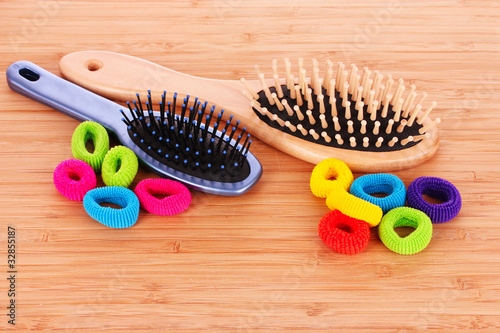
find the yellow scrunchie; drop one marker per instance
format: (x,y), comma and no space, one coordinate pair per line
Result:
(336,191)
(321,185)
(353,206)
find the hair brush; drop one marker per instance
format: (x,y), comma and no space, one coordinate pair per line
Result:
(357,116)
(175,142)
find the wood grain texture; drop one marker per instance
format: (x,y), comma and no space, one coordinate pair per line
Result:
(255,262)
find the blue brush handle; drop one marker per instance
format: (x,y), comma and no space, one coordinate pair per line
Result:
(63,96)
(42,86)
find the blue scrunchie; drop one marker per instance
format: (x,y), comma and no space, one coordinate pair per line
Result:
(386,183)
(112,217)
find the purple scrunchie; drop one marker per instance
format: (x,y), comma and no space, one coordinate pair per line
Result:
(440,189)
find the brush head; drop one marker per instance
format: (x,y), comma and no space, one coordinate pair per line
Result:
(358,133)
(191,139)
(350,111)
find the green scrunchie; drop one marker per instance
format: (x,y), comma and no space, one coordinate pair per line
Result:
(405,217)
(119,167)
(90,130)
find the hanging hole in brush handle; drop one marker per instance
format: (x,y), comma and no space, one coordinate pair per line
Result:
(94,65)
(29,74)
(42,86)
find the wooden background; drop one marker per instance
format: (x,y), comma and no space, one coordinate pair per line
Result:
(255,262)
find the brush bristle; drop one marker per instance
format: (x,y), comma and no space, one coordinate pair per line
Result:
(182,138)
(349,110)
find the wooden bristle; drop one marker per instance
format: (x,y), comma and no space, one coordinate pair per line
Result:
(321,103)
(359,98)
(340,71)
(401,126)
(393,142)
(385,110)
(388,130)
(376,128)
(352,141)
(417,138)
(302,129)
(278,120)
(404,142)
(257,107)
(250,98)
(414,114)
(399,91)
(408,99)
(277,101)
(293,91)
(333,103)
(288,109)
(366,142)
(314,134)
(310,102)
(397,110)
(348,110)
(362,130)
(298,96)
(325,136)
(250,90)
(312,121)
(426,113)
(350,127)
(429,126)
(336,124)
(277,85)
(275,66)
(292,128)
(299,113)
(322,118)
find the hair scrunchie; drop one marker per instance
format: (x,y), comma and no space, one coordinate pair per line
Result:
(177,196)
(119,167)
(112,217)
(74,178)
(353,206)
(342,233)
(366,185)
(436,188)
(405,217)
(90,130)
(321,178)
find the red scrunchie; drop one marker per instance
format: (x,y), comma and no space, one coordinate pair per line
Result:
(344,234)
(177,196)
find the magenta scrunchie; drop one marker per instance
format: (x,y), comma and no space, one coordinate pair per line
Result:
(177,196)
(74,178)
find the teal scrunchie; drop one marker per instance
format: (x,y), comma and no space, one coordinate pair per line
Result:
(364,186)
(112,217)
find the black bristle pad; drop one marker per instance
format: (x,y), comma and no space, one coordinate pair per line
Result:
(188,144)
(330,130)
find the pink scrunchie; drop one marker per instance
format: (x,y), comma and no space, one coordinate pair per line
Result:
(74,178)
(177,196)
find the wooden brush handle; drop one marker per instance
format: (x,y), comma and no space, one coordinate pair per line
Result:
(120,77)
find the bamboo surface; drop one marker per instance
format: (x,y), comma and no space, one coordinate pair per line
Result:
(254,262)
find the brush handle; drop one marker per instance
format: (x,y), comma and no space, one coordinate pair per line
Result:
(120,77)
(42,86)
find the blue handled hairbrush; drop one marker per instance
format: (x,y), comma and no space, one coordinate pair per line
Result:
(177,143)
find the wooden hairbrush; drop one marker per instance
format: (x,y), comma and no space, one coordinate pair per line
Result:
(366,120)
